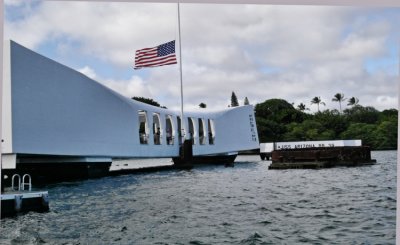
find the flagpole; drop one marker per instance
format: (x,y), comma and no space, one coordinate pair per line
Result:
(180,73)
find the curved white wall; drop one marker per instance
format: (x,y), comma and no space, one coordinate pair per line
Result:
(56,110)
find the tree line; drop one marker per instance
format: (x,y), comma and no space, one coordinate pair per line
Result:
(277,120)
(234,101)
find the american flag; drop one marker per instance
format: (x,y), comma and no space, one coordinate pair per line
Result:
(163,54)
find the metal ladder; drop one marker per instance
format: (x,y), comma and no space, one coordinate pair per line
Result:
(21,185)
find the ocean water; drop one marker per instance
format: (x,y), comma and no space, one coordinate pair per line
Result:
(246,204)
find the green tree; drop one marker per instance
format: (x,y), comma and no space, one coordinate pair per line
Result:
(339,98)
(386,135)
(308,130)
(202,105)
(352,101)
(268,130)
(148,101)
(246,101)
(332,120)
(302,107)
(279,110)
(363,131)
(317,100)
(361,114)
(388,114)
(272,116)
(234,100)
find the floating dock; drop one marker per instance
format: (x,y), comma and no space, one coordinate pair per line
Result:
(22,199)
(321,157)
(20,202)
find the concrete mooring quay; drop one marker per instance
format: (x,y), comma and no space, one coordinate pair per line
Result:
(321,157)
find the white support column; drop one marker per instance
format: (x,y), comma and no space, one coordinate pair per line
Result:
(1,81)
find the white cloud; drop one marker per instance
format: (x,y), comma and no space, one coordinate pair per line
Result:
(14,3)
(135,86)
(386,101)
(110,31)
(131,87)
(262,52)
(89,72)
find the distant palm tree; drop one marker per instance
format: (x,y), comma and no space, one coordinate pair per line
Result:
(302,107)
(353,101)
(339,98)
(317,100)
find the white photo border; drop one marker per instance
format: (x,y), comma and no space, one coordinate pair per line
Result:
(366,3)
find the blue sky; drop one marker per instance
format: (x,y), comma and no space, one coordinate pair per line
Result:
(258,51)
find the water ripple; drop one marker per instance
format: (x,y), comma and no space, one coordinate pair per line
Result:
(247,204)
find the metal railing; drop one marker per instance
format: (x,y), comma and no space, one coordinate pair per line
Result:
(13,182)
(29,183)
(21,185)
